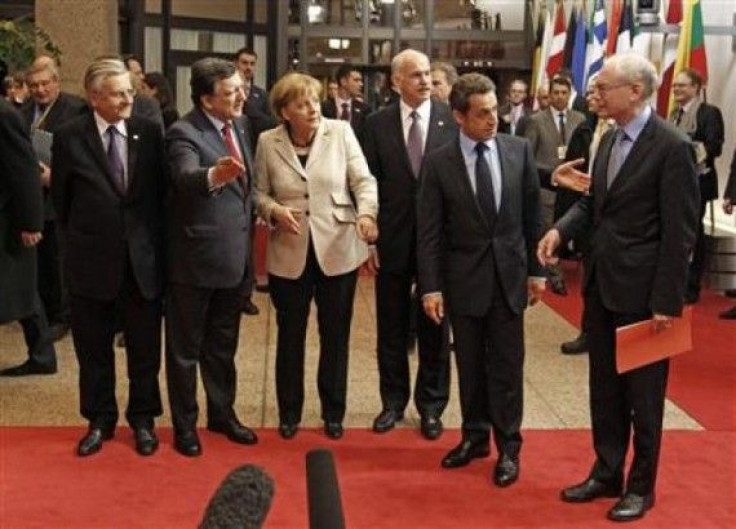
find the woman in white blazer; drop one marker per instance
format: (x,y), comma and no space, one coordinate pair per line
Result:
(316,191)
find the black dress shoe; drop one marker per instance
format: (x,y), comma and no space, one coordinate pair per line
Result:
(92,441)
(250,308)
(386,420)
(57,331)
(692,297)
(729,314)
(146,442)
(334,430)
(558,286)
(631,507)
(235,431)
(577,346)
(431,428)
(589,490)
(506,471)
(187,443)
(28,368)
(464,453)
(288,430)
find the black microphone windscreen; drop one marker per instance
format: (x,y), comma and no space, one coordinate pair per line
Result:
(325,505)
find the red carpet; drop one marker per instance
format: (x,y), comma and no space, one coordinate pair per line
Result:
(702,382)
(388,481)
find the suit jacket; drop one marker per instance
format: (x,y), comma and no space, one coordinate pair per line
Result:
(541,131)
(148,108)
(21,209)
(358,113)
(336,173)
(730,191)
(67,106)
(103,228)
(504,120)
(709,131)
(644,226)
(388,160)
(258,112)
(207,230)
(457,249)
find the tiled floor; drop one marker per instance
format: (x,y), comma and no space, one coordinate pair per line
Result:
(555,385)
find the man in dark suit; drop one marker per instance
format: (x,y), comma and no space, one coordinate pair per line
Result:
(347,105)
(210,215)
(478,227)
(514,114)
(395,140)
(108,191)
(258,111)
(643,215)
(143,106)
(47,109)
(729,199)
(21,222)
(704,124)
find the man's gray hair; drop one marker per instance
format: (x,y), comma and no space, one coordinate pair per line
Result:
(634,68)
(448,69)
(397,63)
(101,69)
(468,85)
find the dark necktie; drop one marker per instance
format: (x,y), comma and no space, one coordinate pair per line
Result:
(115,158)
(414,144)
(227,133)
(680,112)
(345,114)
(562,127)
(484,184)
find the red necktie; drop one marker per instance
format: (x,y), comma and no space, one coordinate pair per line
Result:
(233,150)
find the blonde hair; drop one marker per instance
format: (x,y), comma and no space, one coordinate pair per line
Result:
(291,86)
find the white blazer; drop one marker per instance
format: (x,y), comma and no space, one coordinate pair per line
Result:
(336,173)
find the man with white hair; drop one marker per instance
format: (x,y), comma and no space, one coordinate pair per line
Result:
(108,189)
(395,141)
(643,215)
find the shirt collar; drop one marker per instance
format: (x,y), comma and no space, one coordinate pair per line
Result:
(103,125)
(217,123)
(423,110)
(339,102)
(467,145)
(687,106)
(634,127)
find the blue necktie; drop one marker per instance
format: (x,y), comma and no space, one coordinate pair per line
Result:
(484,184)
(617,158)
(115,158)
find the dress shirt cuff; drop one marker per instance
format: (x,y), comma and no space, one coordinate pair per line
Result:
(431,294)
(536,279)
(211,186)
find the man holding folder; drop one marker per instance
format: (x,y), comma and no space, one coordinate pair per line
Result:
(643,213)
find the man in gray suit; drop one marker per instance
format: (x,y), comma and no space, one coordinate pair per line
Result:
(549,131)
(477,228)
(210,214)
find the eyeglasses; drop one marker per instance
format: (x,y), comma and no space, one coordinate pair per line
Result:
(603,87)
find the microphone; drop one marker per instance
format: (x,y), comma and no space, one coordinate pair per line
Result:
(241,501)
(325,506)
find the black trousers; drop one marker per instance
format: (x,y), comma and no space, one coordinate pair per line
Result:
(93,325)
(432,389)
(334,299)
(490,361)
(50,284)
(622,402)
(697,264)
(41,349)
(202,328)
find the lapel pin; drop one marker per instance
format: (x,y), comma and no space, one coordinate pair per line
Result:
(135,136)
(440,123)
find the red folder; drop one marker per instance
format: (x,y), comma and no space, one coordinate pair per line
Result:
(639,344)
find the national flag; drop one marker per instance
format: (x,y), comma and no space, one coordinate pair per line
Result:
(596,39)
(538,42)
(540,77)
(669,55)
(570,38)
(578,54)
(613,27)
(557,47)
(625,38)
(691,45)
